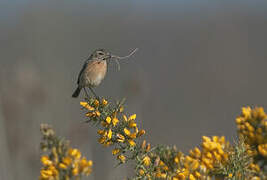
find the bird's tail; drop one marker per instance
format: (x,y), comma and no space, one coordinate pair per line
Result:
(76,92)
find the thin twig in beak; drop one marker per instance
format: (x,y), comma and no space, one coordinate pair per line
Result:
(124,57)
(119,66)
(117,58)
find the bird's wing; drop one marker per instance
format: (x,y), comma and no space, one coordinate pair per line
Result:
(88,63)
(84,66)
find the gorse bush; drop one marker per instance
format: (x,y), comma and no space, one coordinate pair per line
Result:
(60,161)
(246,159)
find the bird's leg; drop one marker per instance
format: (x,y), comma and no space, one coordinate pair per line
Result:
(86,93)
(94,93)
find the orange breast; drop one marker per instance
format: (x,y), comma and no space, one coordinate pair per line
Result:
(95,72)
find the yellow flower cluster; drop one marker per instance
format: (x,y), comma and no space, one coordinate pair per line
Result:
(61,161)
(262,148)
(190,169)
(120,134)
(49,173)
(71,165)
(214,151)
(215,158)
(199,163)
(93,109)
(252,125)
(116,128)
(109,136)
(150,164)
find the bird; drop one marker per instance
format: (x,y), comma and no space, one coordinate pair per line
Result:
(93,72)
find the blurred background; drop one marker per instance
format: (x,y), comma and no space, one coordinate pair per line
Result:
(198,63)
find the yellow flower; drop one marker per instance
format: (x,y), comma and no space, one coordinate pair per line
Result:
(209,155)
(217,156)
(141,132)
(46,174)
(206,139)
(132,124)
(109,134)
(75,153)
(54,170)
(163,175)
(127,132)
(122,158)
(121,109)
(85,166)
(83,103)
(115,121)
(222,140)
(191,177)
(133,135)
(181,176)
(132,117)
(136,129)
(141,172)
(96,103)
(146,161)
(215,139)
(97,113)
(75,171)
(143,144)
(230,175)
(87,106)
(196,153)
(62,166)
(194,165)
(104,102)
(108,120)
(90,163)
(108,143)
(125,118)
(131,142)
(101,132)
(78,155)
(90,114)
(161,163)
(83,163)
(121,138)
(176,160)
(115,151)
(165,168)
(102,140)
(249,127)
(46,161)
(263,149)
(260,113)
(246,112)
(67,160)
(197,174)
(239,120)
(148,147)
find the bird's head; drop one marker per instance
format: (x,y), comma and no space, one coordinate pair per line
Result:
(100,54)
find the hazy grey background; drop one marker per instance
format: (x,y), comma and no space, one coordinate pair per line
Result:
(198,63)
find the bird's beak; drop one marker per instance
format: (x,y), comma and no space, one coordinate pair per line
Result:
(109,56)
